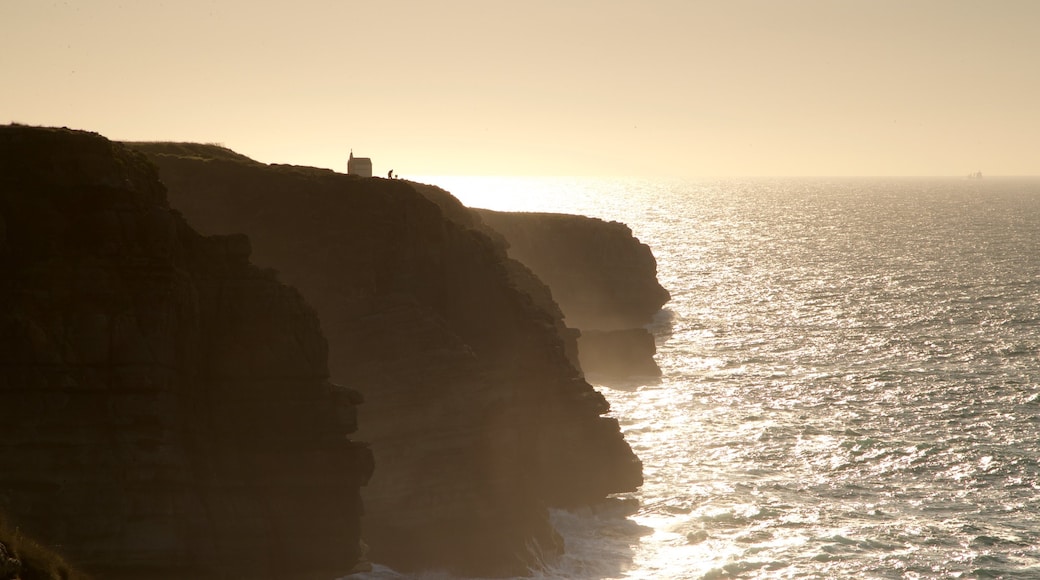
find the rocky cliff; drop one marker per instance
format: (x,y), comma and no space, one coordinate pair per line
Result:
(165,408)
(602,277)
(477,418)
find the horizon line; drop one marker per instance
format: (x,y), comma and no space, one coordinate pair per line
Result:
(679,177)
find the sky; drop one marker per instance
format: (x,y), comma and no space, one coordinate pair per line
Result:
(677,88)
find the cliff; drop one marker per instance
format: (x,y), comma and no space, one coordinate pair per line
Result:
(602,277)
(477,418)
(165,409)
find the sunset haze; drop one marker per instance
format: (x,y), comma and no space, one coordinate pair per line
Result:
(677,88)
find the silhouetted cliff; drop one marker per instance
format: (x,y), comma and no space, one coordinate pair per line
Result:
(476,416)
(165,409)
(602,277)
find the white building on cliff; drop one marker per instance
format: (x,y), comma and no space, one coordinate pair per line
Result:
(359,165)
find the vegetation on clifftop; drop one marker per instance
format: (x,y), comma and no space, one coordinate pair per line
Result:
(23,558)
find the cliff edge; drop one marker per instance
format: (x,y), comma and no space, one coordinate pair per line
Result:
(478,420)
(602,277)
(165,408)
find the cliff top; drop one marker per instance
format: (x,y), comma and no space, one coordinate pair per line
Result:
(195,150)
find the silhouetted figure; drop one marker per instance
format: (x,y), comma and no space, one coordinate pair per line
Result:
(390,174)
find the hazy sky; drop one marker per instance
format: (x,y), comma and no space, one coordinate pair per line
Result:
(553,87)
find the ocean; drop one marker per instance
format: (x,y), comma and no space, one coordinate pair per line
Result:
(851,378)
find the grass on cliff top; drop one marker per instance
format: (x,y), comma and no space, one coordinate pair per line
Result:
(191,150)
(217,152)
(26,559)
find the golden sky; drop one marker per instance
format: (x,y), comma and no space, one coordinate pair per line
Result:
(545,87)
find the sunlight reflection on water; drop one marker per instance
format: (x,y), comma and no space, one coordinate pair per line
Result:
(851,382)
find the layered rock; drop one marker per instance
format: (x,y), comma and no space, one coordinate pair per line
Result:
(602,277)
(477,418)
(165,408)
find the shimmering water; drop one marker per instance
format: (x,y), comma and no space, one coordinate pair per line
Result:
(851,378)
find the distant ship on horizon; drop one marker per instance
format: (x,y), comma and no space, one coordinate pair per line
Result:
(976,175)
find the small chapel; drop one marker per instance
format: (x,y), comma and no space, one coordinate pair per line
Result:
(361,166)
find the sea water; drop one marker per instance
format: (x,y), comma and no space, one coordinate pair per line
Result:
(851,378)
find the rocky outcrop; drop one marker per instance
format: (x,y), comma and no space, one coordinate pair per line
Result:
(602,277)
(165,408)
(477,418)
(618,353)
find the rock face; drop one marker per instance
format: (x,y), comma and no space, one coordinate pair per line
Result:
(165,409)
(618,353)
(603,278)
(477,419)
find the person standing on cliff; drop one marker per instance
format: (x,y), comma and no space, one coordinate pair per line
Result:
(390,174)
